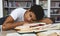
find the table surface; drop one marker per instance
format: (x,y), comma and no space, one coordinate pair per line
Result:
(4,33)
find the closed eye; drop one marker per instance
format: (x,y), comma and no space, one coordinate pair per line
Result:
(30,15)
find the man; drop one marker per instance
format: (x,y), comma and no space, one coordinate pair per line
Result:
(21,16)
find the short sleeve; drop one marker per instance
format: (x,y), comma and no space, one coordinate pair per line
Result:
(17,13)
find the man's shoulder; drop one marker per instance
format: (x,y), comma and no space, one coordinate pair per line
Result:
(18,9)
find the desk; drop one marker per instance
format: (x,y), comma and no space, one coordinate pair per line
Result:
(5,33)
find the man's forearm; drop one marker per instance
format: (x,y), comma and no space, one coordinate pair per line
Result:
(47,21)
(8,26)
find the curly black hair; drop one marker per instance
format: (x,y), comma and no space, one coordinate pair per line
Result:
(38,11)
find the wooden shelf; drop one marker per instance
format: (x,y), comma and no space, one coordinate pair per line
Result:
(16,7)
(55,7)
(43,0)
(55,0)
(57,21)
(20,0)
(45,8)
(55,14)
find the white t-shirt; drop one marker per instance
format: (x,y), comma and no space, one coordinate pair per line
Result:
(18,14)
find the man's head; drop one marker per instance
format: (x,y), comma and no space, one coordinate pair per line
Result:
(36,12)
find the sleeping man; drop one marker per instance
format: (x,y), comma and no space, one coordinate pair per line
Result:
(21,16)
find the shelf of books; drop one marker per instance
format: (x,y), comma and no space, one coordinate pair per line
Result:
(10,5)
(55,10)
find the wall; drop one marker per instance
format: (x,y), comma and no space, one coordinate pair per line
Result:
(1,8)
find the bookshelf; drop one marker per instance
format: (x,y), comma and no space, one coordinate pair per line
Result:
(55,10)
(51,7)
(10,5)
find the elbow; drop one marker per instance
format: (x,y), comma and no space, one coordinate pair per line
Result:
(4,28)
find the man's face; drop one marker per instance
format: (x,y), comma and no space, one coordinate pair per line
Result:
(29,16)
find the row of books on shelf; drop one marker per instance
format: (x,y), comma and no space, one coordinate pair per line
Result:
(5,4)
(55,4)
(55,0)
(57,18)
(7,12)
(17,4)
(20,0)
(55,11)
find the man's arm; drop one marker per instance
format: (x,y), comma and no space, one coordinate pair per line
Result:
(9,23)
(46,20)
